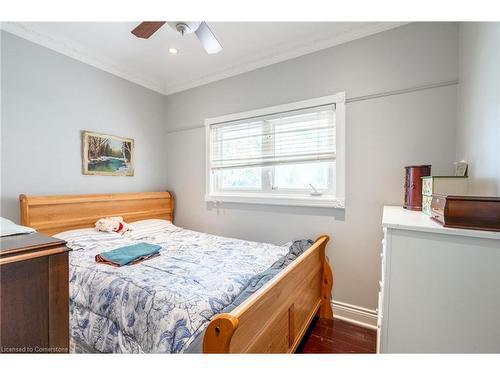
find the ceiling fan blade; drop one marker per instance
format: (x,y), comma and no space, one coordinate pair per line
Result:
(208,39)
(146,29)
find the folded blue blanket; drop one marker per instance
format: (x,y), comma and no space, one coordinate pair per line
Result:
(128,255)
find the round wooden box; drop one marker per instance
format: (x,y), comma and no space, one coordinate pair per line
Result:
(413,186)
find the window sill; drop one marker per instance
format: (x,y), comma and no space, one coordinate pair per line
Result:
(327,201)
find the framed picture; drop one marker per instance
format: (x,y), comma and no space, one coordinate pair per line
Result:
(460,168)
(107,155)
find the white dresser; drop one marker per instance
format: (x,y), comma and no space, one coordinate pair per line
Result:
(440,287)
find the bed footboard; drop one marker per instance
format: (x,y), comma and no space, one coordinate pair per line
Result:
(276,317)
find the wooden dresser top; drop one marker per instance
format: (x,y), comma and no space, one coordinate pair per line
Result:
(27,242)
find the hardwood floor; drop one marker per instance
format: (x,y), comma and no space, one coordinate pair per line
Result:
(337,336)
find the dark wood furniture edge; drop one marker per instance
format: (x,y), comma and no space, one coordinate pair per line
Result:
(59,303)
(47,259)
(38,246)
(24,247)
(471,197)
(445,213)
(24,256)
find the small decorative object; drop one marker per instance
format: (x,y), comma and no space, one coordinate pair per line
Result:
(112,224)
(440,185)
(413,186)
(314,191)
(466,211)
(460,168)
(107,155)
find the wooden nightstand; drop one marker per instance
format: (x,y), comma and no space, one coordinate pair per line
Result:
(34,294)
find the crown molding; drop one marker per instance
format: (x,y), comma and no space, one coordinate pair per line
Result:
(283,52)
(71,49)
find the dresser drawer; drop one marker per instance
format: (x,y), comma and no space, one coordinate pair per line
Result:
(25,305)
(454,275)
(35,298)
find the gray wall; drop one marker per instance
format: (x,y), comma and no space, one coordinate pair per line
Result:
(47,100)
(382,136)
(478,133)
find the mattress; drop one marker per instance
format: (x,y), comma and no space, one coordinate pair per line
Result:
(162,304)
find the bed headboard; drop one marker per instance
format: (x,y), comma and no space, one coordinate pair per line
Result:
(51,214)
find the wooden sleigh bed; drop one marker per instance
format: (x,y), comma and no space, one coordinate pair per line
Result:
(272,320)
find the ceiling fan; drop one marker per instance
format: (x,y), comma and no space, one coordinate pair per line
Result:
(205,35)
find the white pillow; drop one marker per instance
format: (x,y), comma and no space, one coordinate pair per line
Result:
(8,228)
(90,239)
(152,223)
(150,228)
(76,233)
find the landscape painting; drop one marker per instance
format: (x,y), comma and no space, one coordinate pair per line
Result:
(107,155)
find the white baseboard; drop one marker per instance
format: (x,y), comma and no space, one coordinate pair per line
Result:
(357,315)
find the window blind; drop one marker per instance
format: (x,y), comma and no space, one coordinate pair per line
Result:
(305,135)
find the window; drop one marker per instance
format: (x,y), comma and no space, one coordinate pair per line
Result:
(291,154)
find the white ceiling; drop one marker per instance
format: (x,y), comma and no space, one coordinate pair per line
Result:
(247,45)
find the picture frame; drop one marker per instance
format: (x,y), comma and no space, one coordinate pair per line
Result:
(461,168)
(107,155)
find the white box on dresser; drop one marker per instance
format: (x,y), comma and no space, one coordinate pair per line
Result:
(440,287)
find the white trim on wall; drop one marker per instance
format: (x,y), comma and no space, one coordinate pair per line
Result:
(357,315)
(283,52)
(71,49)
(371,96)
(337,201)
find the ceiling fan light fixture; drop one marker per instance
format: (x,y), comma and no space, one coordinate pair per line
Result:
(205,35)
(182,28)
(208,39)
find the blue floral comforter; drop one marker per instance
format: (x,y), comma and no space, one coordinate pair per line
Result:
(162,304)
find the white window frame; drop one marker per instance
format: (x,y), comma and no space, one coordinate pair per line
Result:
(291,198)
